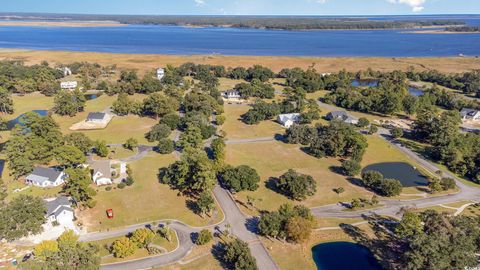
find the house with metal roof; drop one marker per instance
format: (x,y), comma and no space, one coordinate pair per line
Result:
(287,120)
(342,116)
(59,210)
(45,177)
(470,114)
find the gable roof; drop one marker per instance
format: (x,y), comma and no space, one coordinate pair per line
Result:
(41,174)
(53,206)
(283,118)
(103,167)
(96,116)
(338,114)
(468,112)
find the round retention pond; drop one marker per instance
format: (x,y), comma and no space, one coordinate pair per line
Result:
(344,256)
(408,175)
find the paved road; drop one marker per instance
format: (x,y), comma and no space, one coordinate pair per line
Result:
(251,140)
(184,234)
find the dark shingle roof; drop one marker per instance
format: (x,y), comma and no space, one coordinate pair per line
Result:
(53,205)
(96,116)
(41,174)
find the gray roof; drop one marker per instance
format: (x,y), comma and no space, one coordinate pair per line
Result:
(337,114)
(96,116)
(61,209)
(102,166)
(468,112)
(54,204)
(283,118)
(41,175)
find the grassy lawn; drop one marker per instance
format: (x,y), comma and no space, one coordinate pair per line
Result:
(236,129)
(334,222)
(472,210)
(145,201)
(30,102)
(200,257)
(272,159)
(299,256)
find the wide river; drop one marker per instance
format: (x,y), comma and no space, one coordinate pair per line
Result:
(151,39)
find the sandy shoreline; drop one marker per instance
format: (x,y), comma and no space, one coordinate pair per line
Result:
(63,23)
(439,32)
(148,62)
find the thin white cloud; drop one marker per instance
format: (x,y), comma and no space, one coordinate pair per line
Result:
(200,2)
(416,5)
(321,1)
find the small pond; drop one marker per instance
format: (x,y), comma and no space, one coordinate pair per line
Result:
(2,166)
(365,83)
(374,83)
(18,120)
(344,256)
(91,96)
(404,172)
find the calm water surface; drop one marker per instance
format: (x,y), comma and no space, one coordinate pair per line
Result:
(343,256)
(151,39)
(404,172)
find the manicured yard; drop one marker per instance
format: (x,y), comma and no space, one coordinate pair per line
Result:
(236,129)
(147,200)
(271,159)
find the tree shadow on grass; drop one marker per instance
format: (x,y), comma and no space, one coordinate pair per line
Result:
(218,252)
(252,224)
(337,170)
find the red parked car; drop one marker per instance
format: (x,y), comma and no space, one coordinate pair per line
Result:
(110,213)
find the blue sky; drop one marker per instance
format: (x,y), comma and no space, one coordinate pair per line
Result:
(245,7)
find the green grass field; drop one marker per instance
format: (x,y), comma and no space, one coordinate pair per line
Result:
(236,129)
(271,159)
(147,200)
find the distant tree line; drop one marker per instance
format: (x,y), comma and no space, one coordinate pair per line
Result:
(465,29)
(268,22)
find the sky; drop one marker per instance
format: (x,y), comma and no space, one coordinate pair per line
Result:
(245,7)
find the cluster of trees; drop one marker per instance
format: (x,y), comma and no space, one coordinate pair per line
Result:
(295,185)
(383,186)
(261,111)
(64,253)
(38,141)
(209,74)
(459,152)
(128,245)
(278,22)
(256,88)
(20,217)
(441,184)
(309,80)
(18,78)
(69,103)
(387,98)
(240,178)
(463,29)
(292,223)
(337,139)
(236,254)
(453,238)
(468,82)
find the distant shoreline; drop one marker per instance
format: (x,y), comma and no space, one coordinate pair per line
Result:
(441,31)
(63,23)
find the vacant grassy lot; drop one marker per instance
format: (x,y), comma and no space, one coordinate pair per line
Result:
(236,129)
(272,159)
(147,200)
(149,62)
(299,256)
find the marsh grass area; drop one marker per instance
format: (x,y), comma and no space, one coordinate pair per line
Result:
(145,63)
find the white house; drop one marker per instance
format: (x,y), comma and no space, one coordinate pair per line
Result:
(59,210)
(101,172)
(232,96)
(160,73)
(470,114)
(287,120)
(98,117)
(45,177)
(66,71)
(342,116)
(69,85)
